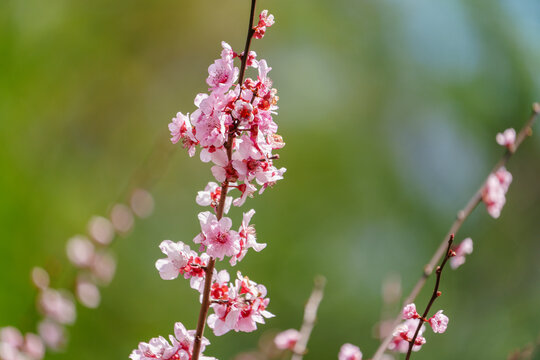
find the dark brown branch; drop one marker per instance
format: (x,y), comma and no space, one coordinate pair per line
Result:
(460,219)
(310,316)
(434,296)
(205,305)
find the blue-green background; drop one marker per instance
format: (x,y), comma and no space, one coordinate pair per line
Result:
(389,110)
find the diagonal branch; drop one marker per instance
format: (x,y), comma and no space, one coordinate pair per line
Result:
(460,219)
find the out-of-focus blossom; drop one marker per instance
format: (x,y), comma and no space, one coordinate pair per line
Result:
(80,251)
(53,334)
(57,305)
(103,267)
(494,192)
(101,230)
(286,340)
(349,352)
(506,138)
(88,293)
(142,203)
(122,218)
(464,248)
(40,278)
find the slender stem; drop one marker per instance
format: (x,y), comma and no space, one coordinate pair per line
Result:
(205,305)
(434,296)
(460,219)
(310,316)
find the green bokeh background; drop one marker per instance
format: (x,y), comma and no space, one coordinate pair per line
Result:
(389,110)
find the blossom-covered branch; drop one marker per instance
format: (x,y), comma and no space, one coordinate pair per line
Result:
(492,192)
(233,128)
(439,321)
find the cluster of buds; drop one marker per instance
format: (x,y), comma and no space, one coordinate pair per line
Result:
(233,129)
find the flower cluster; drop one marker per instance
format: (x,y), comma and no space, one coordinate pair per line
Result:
(180,346)
(494,192)
(233,128)
(13,346)
(239,306)
(404,333)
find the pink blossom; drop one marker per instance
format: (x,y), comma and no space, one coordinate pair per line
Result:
(217,236)
(404,333)
(409,312)
(222,73)
(122,218)
(243,112)
(248,238)
(211,197)
(286,340)
(101,230)
(87,293)
(33,346)
(178,255)
(247,189)
(349,352)
(40,278)
(506,138)
(14,347)
(495,190)
(103,267)
(57,305)
(265,21)
(464,248)
(80,251)
(180,346)
(439,322)
(53,334)
(142,203)
(245,307)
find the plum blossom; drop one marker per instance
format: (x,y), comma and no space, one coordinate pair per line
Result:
(222,73)
(438,322)
(243,307)
(57,305)
(178,255)
(13,346)
(181,129)
(53,334)
(506,138)
(248,238)
(179,346)
(349,352)
(404,333)
(265,21)
(494,191)
(409,312)
(464,248)
(217,236)
(286,340)
(211,195)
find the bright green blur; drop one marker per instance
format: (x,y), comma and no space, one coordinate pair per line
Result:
(389,110)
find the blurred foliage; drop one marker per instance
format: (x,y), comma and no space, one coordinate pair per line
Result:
(389,110)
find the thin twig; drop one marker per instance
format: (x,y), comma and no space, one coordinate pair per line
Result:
(434,296)
(310,316)
(205,304)
(460,219)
